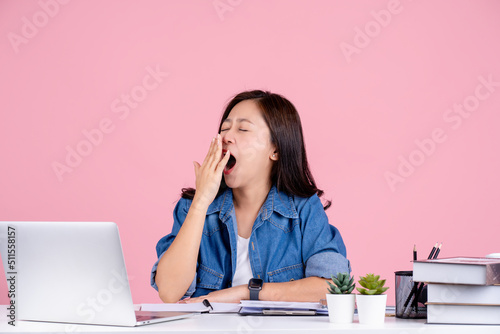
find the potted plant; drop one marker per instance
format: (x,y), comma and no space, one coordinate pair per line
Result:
(371,301)
(340,300)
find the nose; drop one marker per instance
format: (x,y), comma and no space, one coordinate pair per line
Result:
(228,136)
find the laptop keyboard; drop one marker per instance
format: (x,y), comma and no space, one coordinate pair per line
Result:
(142,317)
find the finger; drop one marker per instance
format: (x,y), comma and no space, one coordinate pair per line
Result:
(223,162)
(196,167)
(213,158)
(209,152)
(195,300)
(217,154)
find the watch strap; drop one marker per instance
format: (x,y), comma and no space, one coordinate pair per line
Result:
(254,294)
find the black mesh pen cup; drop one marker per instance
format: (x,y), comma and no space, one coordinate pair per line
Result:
(410,297)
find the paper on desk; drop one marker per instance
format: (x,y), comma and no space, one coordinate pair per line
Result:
(282,305)
(193,307)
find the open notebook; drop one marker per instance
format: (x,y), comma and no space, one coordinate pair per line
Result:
(246,307)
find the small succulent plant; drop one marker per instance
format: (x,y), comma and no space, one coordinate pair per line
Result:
(344,284)
(371,284)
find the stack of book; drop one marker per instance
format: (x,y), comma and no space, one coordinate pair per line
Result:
(461,290)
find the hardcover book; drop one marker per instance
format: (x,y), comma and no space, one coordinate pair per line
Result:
(463,294)
(458,270)
(463,314)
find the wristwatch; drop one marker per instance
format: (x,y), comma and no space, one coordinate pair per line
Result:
(255,285)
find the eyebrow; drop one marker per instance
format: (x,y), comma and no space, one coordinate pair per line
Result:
(239,120)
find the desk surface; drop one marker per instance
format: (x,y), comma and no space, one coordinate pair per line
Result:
(233,323)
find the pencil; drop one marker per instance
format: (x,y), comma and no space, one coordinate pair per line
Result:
(415,284)
(432,251)
(437,251)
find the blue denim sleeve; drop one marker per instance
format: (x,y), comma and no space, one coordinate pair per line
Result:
(180,213)
(323,249)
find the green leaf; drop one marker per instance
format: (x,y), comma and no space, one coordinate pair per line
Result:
(351,281)
(336,281)
(330,287)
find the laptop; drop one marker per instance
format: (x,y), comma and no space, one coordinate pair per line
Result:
(71,272)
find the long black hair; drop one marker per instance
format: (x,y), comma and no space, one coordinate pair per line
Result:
(290,173)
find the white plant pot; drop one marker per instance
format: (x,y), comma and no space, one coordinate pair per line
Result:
(371,308)
(340,308)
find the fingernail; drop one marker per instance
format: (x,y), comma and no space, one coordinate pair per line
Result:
(213,139)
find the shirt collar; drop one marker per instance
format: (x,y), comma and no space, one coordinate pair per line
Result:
(277,201)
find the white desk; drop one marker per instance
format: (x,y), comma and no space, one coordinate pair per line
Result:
(233,323)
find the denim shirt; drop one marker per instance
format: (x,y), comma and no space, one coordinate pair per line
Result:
(290,239)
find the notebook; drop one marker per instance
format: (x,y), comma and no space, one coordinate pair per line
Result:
(71,272)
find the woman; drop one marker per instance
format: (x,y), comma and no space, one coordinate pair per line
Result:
(255,213)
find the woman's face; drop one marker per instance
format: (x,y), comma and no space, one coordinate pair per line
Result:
(247,137)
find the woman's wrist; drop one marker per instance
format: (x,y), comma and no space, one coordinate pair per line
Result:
(199,205)
(245,293)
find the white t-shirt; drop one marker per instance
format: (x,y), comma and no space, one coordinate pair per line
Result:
(243,271)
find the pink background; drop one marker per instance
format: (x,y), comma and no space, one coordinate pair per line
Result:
(362,111)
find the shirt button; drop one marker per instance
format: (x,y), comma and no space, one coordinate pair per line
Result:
(230,283)
(292,280)
(198,280)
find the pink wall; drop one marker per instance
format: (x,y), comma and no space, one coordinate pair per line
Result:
(369,78)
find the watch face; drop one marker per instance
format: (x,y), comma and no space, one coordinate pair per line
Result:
(255,283)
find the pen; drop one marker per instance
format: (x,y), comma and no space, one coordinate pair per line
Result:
(414,252)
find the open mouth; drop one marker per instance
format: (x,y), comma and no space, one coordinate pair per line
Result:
(230,165)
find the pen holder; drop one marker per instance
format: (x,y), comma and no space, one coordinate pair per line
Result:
(410,297)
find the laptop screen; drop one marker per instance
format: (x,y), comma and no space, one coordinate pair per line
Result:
(68,272)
